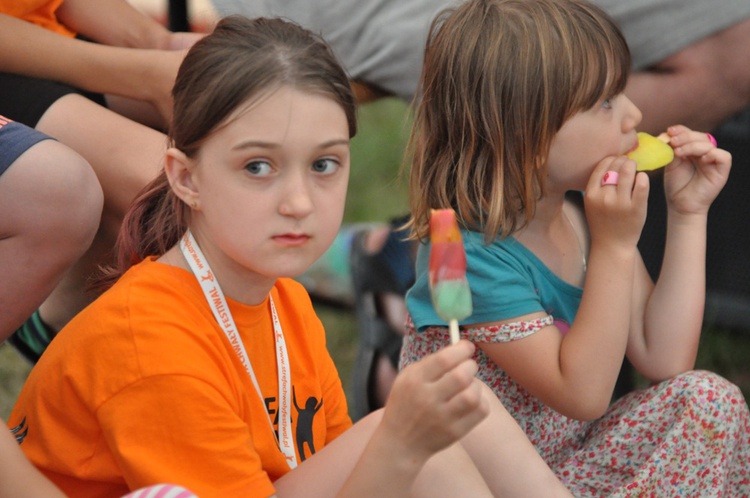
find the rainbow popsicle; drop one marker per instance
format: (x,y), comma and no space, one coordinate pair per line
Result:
(652,152)
(449,288)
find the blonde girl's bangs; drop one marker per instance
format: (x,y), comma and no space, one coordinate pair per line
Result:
(597,57)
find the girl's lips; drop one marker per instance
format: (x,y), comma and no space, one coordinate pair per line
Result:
(635,146)
(291,239)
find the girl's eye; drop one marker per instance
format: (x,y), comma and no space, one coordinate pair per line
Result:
(325,166)
(607,103)
(258,168)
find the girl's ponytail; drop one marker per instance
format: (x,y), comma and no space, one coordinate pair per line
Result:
(154,223)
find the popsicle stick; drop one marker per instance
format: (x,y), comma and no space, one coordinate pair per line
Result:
(453,328)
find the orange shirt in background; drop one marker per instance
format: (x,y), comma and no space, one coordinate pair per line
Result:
(39,12)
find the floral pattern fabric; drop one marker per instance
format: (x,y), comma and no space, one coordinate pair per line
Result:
(688,436)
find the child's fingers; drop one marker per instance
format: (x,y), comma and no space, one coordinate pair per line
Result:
(716,165)
(701,150)
(465,408)
(613,175)
(641,187)
(468,407)
(598,176)
(605,179)
(719,157)
(678,134)
(435,413)
(434,366)
(694,148)
(687,142)
(626,175)
(456,380)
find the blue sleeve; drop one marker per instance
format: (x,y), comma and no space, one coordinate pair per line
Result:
(501,284)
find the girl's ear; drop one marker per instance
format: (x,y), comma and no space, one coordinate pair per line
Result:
(179,170)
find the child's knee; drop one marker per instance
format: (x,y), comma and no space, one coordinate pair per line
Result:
(74,196)
(88,200)
(712,391)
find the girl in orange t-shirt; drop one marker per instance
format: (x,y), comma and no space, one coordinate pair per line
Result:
(204,364)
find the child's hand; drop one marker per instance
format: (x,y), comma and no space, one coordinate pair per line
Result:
(436,401)
(698,173)
(181,40)
(161,68)
(616,202)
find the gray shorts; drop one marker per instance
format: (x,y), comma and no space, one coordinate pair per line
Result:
(15,139)
(381,41)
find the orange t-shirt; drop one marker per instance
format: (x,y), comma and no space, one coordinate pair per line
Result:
(39,12)
(143,387)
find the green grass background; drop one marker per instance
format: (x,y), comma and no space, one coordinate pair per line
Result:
(377,193)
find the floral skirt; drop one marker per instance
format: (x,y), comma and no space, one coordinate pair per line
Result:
(685,437)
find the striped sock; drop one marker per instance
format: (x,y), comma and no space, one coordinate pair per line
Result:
(161,491)
(32,338)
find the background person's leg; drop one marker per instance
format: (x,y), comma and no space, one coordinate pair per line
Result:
(51,204)
(125,156)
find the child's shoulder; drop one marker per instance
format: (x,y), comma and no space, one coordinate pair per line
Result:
(292,287)
(292,294)
(150,277)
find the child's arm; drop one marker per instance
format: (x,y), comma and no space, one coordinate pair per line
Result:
(667,317)
(434,402)
(575,373)
(146,75)
(19,478)
(120,24)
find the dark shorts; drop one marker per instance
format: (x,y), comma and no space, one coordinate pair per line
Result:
(25,100)
(15,139)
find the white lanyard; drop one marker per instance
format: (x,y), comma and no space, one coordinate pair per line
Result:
(218,304)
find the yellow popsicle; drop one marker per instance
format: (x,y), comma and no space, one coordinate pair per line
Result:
(652,152)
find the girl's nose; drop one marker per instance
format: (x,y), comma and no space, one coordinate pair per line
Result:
(633,115)
(297,200)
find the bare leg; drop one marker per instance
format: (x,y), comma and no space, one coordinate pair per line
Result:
(700,86)
(125,156)
(137,110)
(495,459)
(72,293)
(507,460)
(323,475)
(51,204)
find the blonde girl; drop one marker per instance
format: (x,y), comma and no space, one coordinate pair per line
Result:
(521,110)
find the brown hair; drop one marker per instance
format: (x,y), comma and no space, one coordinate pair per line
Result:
(240,60)
(500,78)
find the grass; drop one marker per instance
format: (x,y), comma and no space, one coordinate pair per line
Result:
(13,372)
(377,193)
